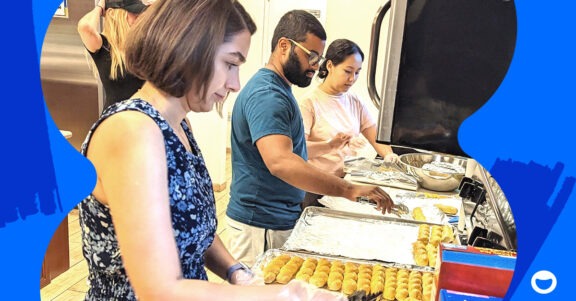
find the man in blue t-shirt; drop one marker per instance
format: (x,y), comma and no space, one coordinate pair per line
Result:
(270,172)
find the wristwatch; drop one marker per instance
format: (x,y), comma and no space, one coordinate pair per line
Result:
(236,267)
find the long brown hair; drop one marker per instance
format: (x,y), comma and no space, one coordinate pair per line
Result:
(173,43)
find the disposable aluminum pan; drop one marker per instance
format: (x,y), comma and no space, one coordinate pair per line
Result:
(336,233)
(266,257)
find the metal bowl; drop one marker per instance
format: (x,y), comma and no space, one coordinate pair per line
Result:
(445,180)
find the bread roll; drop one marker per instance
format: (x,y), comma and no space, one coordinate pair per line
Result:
(450,210)
(337,269)
(307,271)
(283,258)
(414,286)
(401,293)
(447,234)
(335,275)
(312,260)
(427,293)
(320,274)
(389,293)
(402,273)
(362,282)
(283,278)
(402,284)
(318,280)
(376,288)
(296,259)
(269,277)
(378,276)
(322,268)
(415,294)
(272,268)
(303,277)
(365,267)
(348,286)
(337,263)
(364,275)
(391,279)
(334,284)
(309,264)
(417,280)
(289,269)
(418,215)
(435,239)
(427,278)
(350,267)
(323,262)
(351,275)
(364,287)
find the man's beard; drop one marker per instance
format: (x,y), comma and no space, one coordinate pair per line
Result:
(293,72)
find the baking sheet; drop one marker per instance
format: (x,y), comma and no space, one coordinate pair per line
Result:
(432,213)
(263,259)
(411,199)
(330,232)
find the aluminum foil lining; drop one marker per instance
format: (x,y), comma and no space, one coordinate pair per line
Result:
(378,172)
(335,233)
(411,199)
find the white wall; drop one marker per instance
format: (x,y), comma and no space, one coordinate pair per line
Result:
(341,19)
(353,20)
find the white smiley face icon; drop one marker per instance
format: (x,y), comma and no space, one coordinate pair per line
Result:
(543,278)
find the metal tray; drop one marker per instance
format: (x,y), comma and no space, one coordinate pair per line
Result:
(433,214)
(263,259)
(336,233)
(269,255)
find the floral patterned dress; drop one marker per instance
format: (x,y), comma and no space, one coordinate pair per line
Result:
(192,208)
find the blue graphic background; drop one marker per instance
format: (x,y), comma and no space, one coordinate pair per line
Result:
(522,135)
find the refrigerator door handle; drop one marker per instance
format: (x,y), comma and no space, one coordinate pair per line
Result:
(373,53)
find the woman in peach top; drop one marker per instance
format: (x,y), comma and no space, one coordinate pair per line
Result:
(334,117)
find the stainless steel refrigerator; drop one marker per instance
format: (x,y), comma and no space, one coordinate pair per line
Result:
(442,61)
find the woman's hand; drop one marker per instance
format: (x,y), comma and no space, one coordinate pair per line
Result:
(243,277)
(339,141)
(297,290)
(356,143)
(391,157)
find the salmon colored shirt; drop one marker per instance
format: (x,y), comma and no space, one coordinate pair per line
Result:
(325,115)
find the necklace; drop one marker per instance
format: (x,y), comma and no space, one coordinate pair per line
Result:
(274,67)
(278,72)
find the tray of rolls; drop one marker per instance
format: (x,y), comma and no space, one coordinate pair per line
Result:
(330,232)
(348,276)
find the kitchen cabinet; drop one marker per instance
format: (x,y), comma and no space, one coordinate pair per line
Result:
(57,257)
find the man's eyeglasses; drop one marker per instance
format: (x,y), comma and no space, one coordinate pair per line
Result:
(313,56)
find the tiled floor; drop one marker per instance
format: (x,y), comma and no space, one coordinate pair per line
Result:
(72,286)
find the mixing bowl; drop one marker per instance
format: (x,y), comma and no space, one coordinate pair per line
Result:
(441,172)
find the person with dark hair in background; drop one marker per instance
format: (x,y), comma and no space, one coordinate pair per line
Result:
(269,168)
(107,48)
(149,225)
(332,112)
